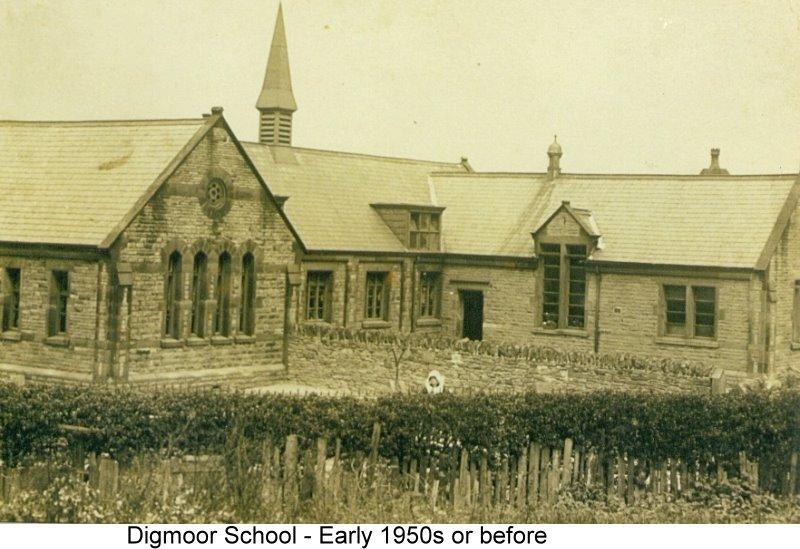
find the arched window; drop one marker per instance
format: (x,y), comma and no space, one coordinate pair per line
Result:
(222,323)
(199,293)
(173,293)
(247,317)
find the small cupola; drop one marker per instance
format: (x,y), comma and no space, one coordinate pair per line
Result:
(713,168)
(554,153)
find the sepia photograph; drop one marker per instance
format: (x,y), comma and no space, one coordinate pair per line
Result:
(321,262)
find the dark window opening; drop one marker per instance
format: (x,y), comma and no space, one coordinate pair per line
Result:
(222,322)
(471,314)
(247,313)
(199,294)
(377,292)
(173,294)
(11,292)
(59,303)
(430,291)
(318,295)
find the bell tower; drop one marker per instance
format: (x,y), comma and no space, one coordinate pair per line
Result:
(276,102)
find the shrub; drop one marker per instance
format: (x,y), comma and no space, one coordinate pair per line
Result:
(127,421)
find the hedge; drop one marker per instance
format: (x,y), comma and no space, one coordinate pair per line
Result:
(126,421)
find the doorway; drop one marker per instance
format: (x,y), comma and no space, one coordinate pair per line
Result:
(471,314)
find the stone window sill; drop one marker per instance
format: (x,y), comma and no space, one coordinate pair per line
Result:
(316,322)
(11,335)
(429,322)
(195,341)
(244,338)
(57,341)
(686,342)
(169,343)
(221,340)
(375,324)
(567,332)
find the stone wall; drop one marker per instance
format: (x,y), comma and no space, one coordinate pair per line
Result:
(363,363)
(76,356)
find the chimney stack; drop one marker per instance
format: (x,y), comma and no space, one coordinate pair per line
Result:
(714,168)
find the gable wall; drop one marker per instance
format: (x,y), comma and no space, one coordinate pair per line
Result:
(174,219)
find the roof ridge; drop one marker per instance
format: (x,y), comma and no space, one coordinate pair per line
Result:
(361,155)
(478,175)
(119,122)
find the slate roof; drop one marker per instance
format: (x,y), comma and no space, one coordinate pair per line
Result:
(330,193)
(718,221)
(74,182)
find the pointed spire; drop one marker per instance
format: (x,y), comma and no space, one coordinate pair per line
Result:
(277,90)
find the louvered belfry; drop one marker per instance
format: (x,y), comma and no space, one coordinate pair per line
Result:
(276,102)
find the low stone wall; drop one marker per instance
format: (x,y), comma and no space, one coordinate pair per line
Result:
(363,363)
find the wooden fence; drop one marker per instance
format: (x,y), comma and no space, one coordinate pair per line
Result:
(454,478)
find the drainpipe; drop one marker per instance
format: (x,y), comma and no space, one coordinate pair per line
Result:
(597,311)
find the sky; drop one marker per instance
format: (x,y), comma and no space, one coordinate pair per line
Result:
(644,86)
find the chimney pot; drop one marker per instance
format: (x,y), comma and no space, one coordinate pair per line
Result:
(714,168)
(216,110)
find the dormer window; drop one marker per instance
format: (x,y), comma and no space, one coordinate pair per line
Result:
(564,241)
(424,231)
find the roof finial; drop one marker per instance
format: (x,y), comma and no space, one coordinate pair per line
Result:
(554,152)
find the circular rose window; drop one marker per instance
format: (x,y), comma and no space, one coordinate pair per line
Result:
(217,194)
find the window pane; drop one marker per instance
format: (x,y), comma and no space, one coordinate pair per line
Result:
(173,293)
(318,291)
(675,304)
(375,306)
(11,287)
(247,310)
(223,295)
(199,293)
(429,294)
(551,297)
(705,311)
(576,256)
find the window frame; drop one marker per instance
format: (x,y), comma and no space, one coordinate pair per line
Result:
(197,323)
(370,295)
(247,307)
(691,289)
(429,294)
(317,289)
(11,291)
(222,295)
(173,295)
(427,227)
(58,310)
(555,302)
